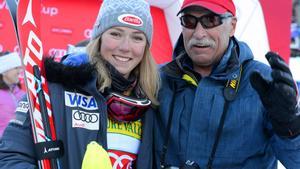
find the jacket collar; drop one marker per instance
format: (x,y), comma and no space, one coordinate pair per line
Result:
(69,75)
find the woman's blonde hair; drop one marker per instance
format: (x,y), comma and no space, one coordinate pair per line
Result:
(146,71)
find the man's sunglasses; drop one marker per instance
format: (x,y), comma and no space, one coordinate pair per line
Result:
(124,108)
(207,21)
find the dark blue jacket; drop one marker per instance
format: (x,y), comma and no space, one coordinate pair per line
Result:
(247,140)
(73,91)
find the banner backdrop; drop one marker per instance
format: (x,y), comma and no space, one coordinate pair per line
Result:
(64,22)
(264,25)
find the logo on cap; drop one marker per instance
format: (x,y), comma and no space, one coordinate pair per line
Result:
(130,19)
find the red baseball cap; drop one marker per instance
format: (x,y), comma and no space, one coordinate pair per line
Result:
(216,6)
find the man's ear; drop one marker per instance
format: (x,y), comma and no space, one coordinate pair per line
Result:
(233,25)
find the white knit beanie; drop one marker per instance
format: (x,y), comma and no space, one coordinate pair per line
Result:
(130,13)
(9,61)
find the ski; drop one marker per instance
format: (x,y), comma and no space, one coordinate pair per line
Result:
(26,19)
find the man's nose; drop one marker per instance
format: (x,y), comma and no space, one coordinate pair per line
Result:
(199,31)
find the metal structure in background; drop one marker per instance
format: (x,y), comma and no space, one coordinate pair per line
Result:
(295,30)
(296,11)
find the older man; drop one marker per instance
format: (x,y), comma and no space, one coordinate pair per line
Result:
(219,108)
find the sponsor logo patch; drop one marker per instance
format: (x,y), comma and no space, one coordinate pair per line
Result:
(132,129)
(23,107)
(80,100)
(86,120)
(21,113)
(130,19)
(121,159)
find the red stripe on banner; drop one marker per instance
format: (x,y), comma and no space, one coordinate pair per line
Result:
(278,16)
(161,46)
(8,39)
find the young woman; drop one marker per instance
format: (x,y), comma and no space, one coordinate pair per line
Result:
(10,92)
(105,96)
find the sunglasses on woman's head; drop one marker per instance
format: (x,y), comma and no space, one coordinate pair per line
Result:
(124,108)
(207,21)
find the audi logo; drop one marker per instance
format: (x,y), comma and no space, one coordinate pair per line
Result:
(86,117)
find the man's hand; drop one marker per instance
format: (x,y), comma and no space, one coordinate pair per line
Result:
(279,97)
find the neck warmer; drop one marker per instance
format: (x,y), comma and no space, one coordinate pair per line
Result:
(119,83)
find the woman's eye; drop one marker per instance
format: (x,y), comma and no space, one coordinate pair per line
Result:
(138,38)
(116,34)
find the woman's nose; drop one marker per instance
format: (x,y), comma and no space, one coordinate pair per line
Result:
(124,45)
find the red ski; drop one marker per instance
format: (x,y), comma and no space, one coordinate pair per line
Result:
(27,26)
